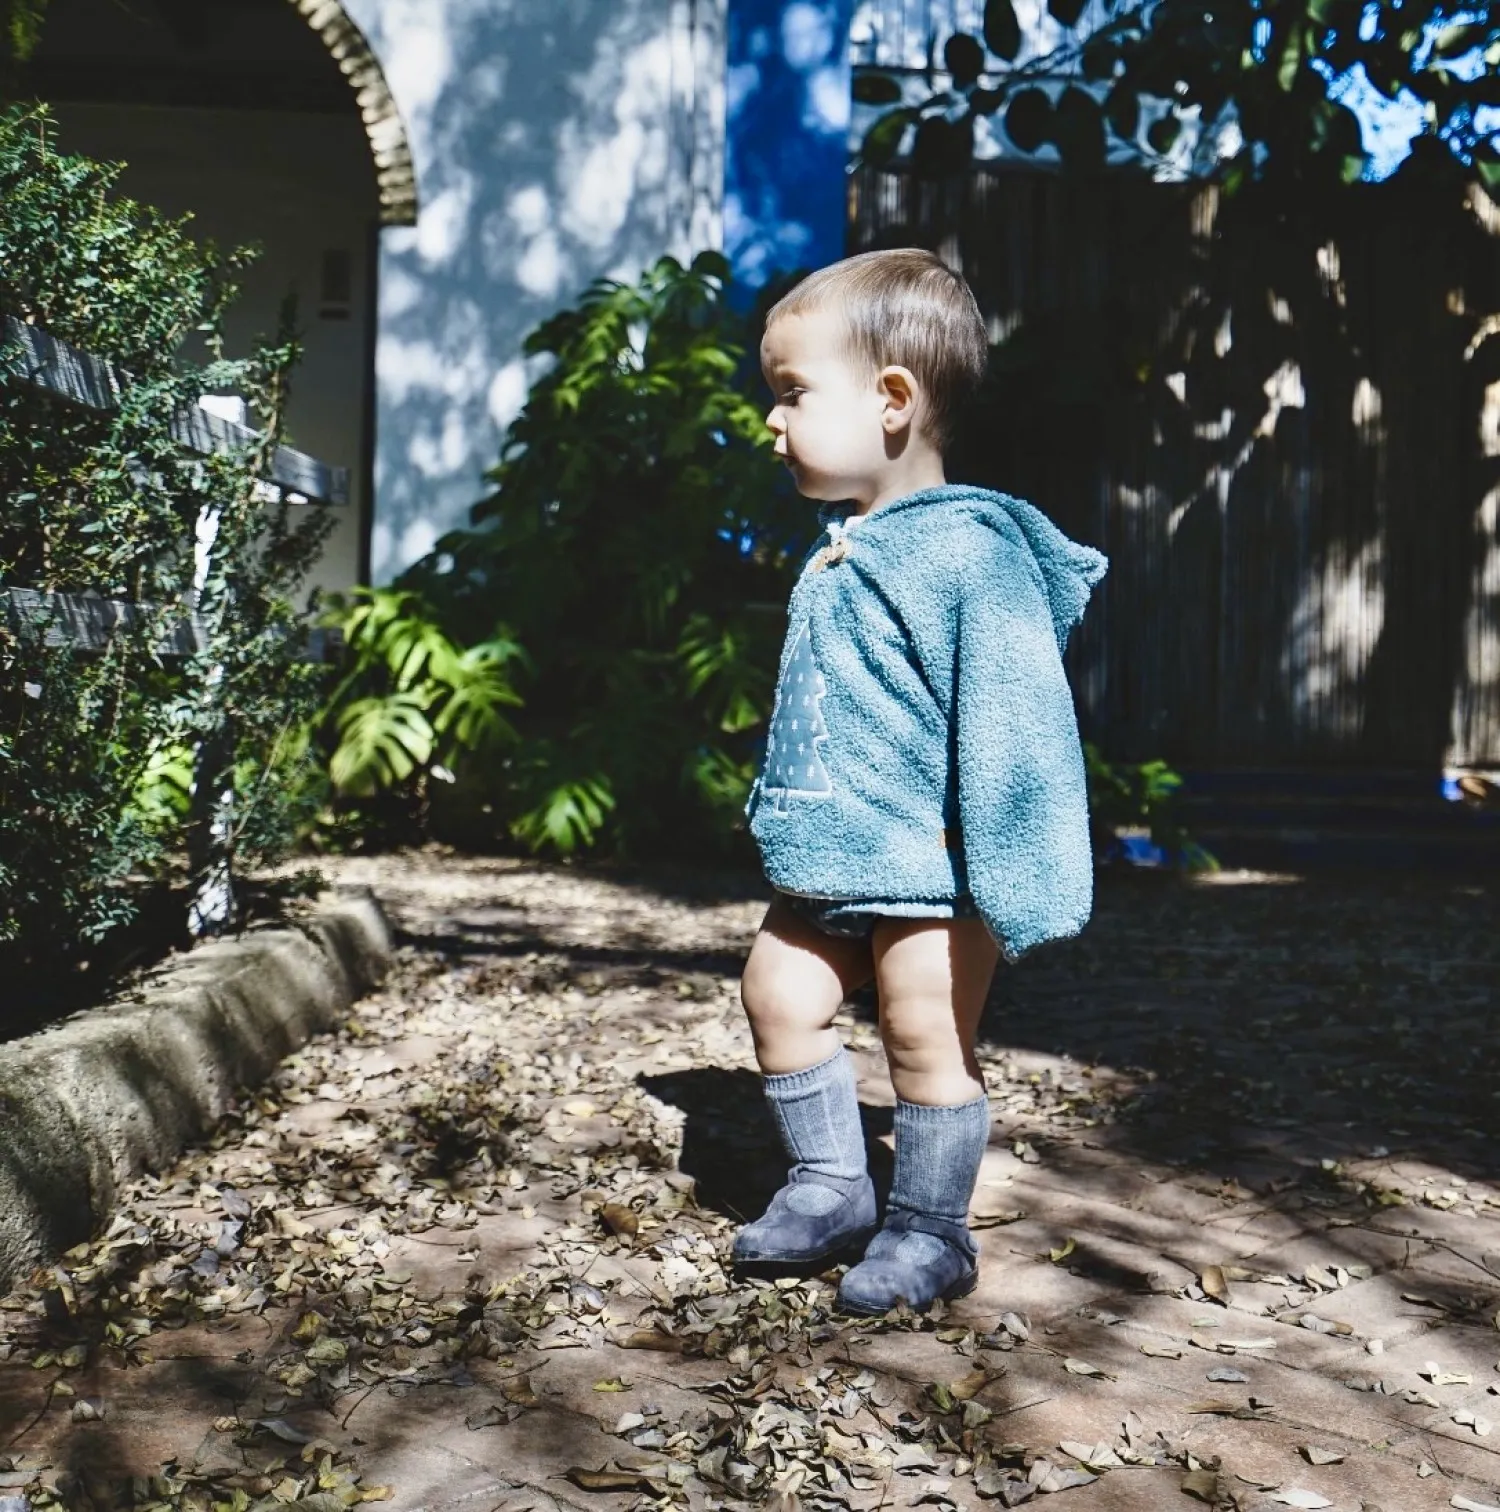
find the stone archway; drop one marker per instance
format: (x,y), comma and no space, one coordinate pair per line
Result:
(384,128)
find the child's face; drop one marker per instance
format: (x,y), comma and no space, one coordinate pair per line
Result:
(827,412)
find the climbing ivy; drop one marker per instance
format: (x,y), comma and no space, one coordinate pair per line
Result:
(100,753)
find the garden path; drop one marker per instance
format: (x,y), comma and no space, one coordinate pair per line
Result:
(1240,1222)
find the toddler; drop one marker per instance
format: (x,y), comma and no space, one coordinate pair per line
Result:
(921,811)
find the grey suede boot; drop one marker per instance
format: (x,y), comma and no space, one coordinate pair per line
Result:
(814,1221)
(924,1250)
(826,1211)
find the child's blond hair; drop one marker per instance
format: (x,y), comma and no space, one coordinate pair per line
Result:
(907,308)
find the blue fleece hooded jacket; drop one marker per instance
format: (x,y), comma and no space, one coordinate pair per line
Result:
(923,741)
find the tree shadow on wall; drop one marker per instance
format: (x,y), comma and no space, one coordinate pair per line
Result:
(1269,410)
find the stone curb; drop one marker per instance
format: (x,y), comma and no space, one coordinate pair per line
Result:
(88,1104)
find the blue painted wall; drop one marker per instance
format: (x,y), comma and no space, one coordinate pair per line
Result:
(786,152)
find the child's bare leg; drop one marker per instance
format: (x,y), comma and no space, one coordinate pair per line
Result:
(794,984)
(934,976)
(795,981)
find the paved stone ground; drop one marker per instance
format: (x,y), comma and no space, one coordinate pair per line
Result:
(1240,1222)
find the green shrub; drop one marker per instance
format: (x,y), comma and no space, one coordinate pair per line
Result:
(1140,797)
(412,704)
(99,752)
(639,546)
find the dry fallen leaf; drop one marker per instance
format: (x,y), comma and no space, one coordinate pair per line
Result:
(991,1481)
(611,1480)
(1098,1456)
(612,1383)
(972,1384)
(620,1219)
(309,1326)
(1297,1497)
(1202,1485)
(1083,1368)
(1318,1456)
(1063,1250)
(651,1338)
(326,1351)
(1213,1283)
(485,1417)
(995,1217)
(1046,1477)
(1161,1351)
(1324,1325)
(518,1391)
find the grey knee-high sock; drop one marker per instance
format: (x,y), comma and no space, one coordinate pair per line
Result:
(817,1112)
(938,1151)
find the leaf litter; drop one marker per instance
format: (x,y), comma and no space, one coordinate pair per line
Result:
(299,1231)
(513,1119)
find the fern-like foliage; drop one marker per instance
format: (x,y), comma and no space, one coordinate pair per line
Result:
(413,699)
(640,541)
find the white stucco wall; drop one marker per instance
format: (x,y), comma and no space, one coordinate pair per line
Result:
(555,141)
(296,185)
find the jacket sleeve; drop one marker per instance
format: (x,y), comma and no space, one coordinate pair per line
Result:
(1022,795)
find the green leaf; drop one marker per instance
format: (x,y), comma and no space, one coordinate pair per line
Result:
(569,817)
(871,88)
(382,741)
(1290,63)
(883,139)
(1002,31)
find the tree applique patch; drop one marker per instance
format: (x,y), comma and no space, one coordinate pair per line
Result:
(794,765)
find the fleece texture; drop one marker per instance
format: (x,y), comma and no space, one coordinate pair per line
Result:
(923,742)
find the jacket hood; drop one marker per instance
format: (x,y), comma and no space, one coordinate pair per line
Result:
(1070,571)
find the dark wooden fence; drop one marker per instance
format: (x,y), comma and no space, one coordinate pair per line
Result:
(1282,422)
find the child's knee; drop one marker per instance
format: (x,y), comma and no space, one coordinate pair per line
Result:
(919,1031)
(776,997)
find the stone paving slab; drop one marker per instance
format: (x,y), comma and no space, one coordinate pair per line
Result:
(1278,1075)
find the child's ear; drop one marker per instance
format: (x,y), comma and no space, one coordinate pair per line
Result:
(898,387)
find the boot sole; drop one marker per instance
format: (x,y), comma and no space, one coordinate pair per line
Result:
(801,1266)
(959,1289)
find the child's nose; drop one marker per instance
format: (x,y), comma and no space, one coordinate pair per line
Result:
(775,421)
